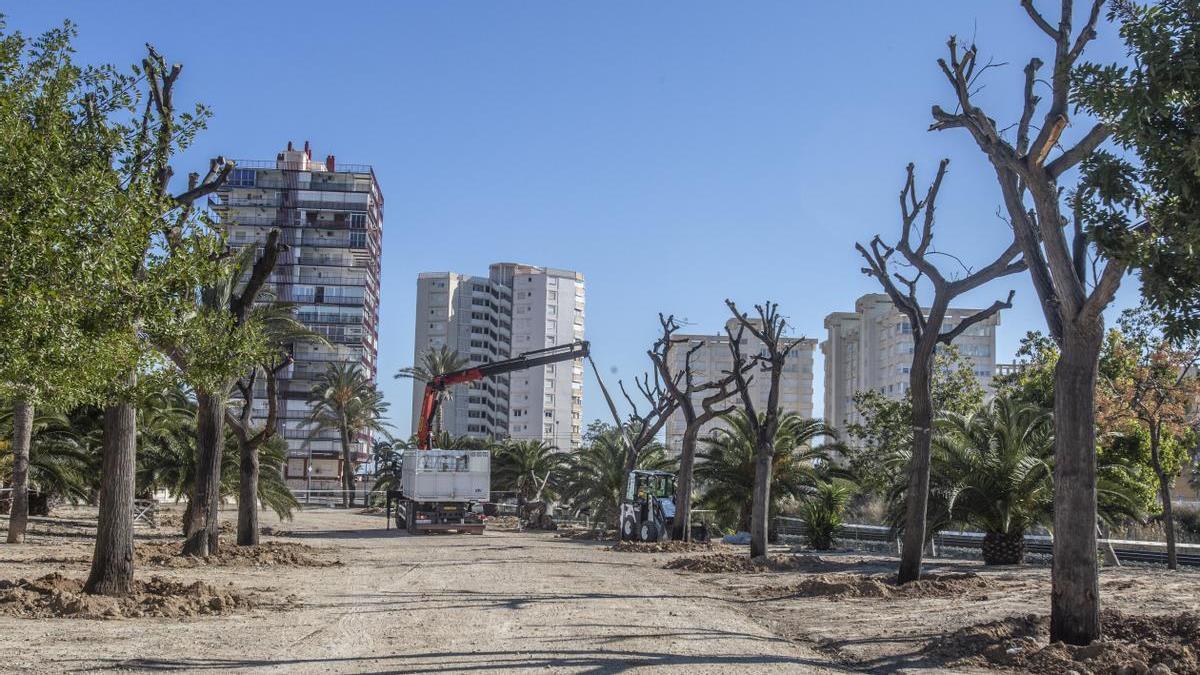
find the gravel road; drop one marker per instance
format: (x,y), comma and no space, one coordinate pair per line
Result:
(428,604)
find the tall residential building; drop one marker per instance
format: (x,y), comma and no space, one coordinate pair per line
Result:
(331,218)
(712,360)
(872,347)
(515,309)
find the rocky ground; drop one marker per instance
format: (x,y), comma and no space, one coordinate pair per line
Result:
(334,591)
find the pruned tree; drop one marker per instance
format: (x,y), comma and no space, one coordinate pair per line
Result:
(1028,168)
(685,389)
(915,248)
(643,424)
(250,439)
(168,254)
(768,328)
(211,353)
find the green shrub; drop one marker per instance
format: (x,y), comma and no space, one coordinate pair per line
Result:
(823,514)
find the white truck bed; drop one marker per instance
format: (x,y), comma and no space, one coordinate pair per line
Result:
(447,475)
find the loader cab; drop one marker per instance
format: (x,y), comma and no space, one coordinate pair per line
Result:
(648,507)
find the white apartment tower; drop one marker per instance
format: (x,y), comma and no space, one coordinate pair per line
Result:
(712,360)
(872,347)
(515,309)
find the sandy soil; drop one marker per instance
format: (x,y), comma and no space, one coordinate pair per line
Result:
(535,602)
(522,602)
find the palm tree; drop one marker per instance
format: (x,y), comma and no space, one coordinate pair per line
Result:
(993,471)
(595,475)
(534,469)
(434,363)
(344,399)
(61,463)
(388,457)
(822,513)
(726,474)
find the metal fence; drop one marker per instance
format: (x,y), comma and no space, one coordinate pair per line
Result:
(1126,549)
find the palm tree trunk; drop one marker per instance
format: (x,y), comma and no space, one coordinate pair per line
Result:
(247,529)
(203,533)
(683,485)
(347,467)
(112,560)
(1075,598)
(1164,494)
(761,501)
(18,515)
(917,496)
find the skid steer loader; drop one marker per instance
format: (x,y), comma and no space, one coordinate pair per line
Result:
(648,509)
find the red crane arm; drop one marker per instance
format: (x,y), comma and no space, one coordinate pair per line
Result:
(538,357)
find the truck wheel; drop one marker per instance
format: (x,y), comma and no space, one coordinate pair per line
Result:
(628,529)
(649,532)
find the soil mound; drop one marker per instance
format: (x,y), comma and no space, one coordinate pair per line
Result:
(877,586)
(505,523)
(588,535)
(266,554)
(663,547)
(57,596)
(740,562)
(1132,645)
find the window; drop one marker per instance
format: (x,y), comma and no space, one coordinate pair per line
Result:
(242,178)
(358,239)
(553,295)
(358,220)
(549,414)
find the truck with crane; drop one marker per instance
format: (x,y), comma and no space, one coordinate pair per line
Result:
(444,489)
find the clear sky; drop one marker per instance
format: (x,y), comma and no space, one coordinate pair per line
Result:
(675,152)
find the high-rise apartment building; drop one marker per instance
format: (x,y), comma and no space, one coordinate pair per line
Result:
(712,360)
(331,217)
(515,309)
(872,348)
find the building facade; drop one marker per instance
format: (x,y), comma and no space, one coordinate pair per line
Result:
(515,309)
(872,348)
(713,359)
(331,218)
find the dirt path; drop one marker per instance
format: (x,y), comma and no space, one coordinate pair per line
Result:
(433,604)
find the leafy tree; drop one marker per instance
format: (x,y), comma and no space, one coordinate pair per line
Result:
(1155,391)
(56,187)
(595,475)
(344,400)
(434,363)
(728,469)
(887,423)
(1149,107)
(388,457)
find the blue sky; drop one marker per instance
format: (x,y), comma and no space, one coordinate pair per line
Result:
(675,152)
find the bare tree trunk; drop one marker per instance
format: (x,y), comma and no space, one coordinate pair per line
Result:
(1075,601)
(683,486)
(203,530)
(18,515)
(917,497)
(112,561)
(1164,495)
(247,530)
(760,503)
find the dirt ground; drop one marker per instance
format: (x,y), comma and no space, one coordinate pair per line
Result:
(355,597)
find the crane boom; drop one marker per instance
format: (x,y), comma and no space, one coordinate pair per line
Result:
(538,357)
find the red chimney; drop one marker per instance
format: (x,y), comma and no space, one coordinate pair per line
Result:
(329,163)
